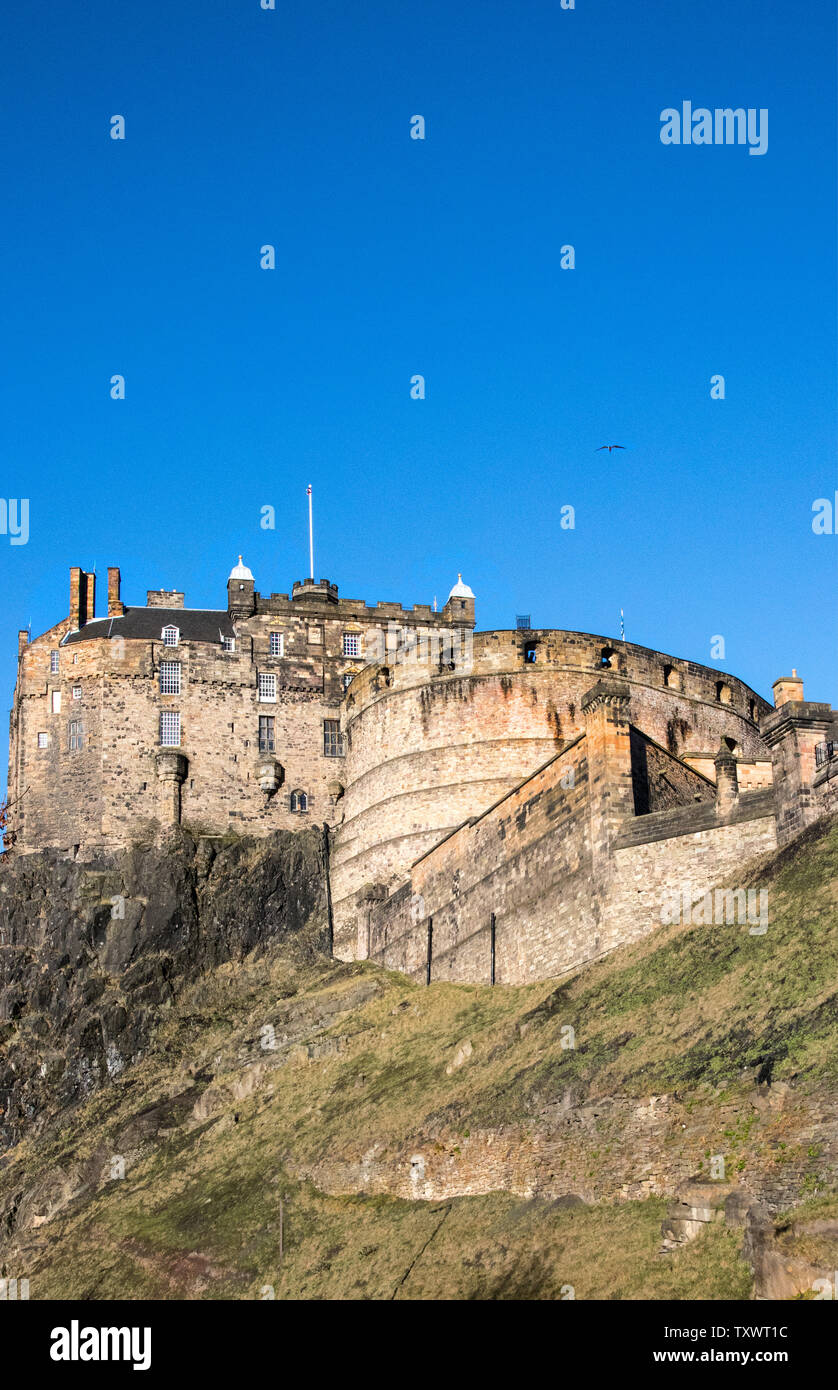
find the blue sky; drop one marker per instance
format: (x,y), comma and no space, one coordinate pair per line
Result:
(441,257)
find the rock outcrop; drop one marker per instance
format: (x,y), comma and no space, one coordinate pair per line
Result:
(92,953)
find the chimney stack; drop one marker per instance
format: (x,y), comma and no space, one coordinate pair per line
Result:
(115,607)
(89,596)
(77,603)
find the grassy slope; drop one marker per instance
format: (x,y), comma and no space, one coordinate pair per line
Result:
(198,1212)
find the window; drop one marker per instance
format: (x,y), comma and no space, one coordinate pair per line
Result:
(347,678)
(267,688)
(171,636)
(228,644)
(53,663)
(352,644)
(43,740)
(530,652)
(56,701)
(277,644)
(299,801)
(724,695)
(169,677)
(605,657)
(76,692)
(266,733)
(752,709)
(170,729)
(332,738)
(76,735)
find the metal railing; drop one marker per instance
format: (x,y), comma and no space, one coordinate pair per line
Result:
(825,752)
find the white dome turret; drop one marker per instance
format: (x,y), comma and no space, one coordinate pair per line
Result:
(240,571)
(460,590)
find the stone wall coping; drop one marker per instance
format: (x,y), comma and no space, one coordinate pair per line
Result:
(679,821)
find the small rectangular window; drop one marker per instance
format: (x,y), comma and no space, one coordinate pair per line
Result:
(170,729)
(352,644)
(267,688)
(56,701)
(76,735)
(228,644)
(277,644)
(266,733)
(169,677)
(76,692)
(43,740)
(53,663)
(171,636)
(332,738)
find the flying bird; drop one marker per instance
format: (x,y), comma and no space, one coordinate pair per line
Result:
(609,447)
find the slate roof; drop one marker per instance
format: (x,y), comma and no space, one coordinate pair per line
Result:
(146,624)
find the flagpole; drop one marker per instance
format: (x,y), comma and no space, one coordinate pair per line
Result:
(310,536)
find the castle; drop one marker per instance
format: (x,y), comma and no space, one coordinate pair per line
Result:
(498,806)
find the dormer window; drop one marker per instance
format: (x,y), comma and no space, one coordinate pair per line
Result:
(228,644)
(171,635)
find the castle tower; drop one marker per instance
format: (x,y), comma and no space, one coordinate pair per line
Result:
(241,588)
(460,605)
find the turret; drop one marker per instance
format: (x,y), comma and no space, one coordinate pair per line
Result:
(241,591)
(460,605)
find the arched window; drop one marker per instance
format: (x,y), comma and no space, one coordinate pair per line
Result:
(605,657)
(299,801)
(724,694)
(530,653)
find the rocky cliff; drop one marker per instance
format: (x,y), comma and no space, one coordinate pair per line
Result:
(204,1104)
(93,954)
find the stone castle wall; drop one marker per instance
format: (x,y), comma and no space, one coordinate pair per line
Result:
(506,804)
(121,780)
(567,866)
(426,750)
